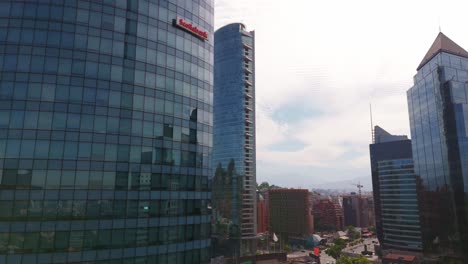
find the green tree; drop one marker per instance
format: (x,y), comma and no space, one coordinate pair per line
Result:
(353,233)
(340,242)
(334,251)
(264,186)
(349,260)
(287,248)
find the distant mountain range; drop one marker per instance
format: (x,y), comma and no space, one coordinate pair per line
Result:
(347,185)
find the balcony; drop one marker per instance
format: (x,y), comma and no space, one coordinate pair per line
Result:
(247,59)
(245,33)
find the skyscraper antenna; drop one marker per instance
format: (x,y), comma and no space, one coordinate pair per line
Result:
(440,27)
(372,124)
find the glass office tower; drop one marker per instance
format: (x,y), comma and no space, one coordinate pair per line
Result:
(105,131)
(395,192)
(399,204)
(234,194)
(438,110)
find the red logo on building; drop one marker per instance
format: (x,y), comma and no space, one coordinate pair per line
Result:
(181,23)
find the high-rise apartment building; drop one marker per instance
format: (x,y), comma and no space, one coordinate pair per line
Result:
(328,215)
(438,111)
(105,131)
(395,192)
(234,183)
(263,214)
(352,211)
(291,213)
(358,210)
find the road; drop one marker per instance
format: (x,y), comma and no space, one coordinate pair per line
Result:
(324,258)
(356,250)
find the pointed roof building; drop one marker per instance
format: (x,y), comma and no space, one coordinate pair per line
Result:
(382,136)
(443,44)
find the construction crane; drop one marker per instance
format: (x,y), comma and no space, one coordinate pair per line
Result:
(359,186)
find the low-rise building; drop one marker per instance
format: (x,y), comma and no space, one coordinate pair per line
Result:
(399,259)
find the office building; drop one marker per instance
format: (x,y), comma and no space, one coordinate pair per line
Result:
(234,183)
(395,192)
(105,131)
(328,215)
(350,210)
(399,205)
(263,218)
(437,105)
(358,210)
(291,213)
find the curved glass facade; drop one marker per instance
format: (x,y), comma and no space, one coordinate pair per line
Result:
(234,157)
(438,112)
(105,131)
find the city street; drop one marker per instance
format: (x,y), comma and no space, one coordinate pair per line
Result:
(357,249)
(324,258)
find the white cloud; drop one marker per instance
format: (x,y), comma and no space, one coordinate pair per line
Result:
(336,56)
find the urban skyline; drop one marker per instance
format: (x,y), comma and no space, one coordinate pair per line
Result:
(329,64)
(131,132)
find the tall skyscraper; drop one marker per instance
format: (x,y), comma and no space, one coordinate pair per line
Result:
(105,131)
(234,183)
(438,111)
(395,195)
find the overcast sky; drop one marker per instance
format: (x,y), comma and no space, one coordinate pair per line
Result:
(318,66)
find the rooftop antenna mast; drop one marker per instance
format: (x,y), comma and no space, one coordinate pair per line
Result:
(440,27)
(372,124)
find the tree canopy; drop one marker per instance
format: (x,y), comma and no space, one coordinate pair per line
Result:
(349,260)
(335,250)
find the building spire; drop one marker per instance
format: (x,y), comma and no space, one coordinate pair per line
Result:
(371,124)
(440,27)
(443,43)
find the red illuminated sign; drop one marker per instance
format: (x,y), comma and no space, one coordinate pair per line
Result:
(181,23)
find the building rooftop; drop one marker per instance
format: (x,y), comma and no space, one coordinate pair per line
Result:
(443,43)
(382,136)
(399,256)
(289,190)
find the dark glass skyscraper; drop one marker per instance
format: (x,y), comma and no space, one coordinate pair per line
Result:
(105,131)
(234,194)
(438,110)
(399,205)
(394,188)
